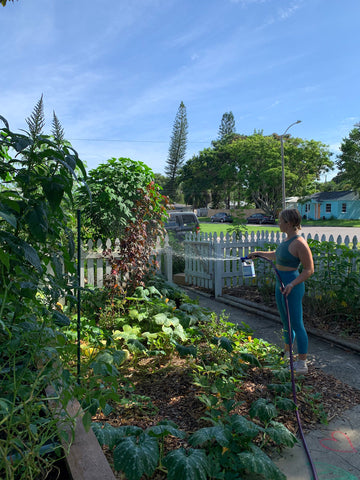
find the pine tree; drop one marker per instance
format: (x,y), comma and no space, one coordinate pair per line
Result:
(177,149)
(227,125)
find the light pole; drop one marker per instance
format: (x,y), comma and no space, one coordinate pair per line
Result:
(283,164)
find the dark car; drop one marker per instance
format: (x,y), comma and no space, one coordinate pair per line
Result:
(222,217)
(182,222)
(260,218)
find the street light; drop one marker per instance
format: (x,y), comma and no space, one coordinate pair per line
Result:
(283,164)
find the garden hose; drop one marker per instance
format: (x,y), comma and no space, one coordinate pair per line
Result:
(302,436)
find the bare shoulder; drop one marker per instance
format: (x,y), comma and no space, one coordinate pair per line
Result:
(301,245)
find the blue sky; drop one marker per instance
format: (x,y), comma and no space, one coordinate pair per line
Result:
(115,72)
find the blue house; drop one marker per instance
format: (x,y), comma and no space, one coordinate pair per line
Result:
(323,205)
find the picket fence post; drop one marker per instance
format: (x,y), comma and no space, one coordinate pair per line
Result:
(219,265)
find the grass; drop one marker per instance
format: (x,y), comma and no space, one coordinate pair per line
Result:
(207,227)
(332,223)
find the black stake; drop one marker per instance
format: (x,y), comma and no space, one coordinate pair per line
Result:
(78,293)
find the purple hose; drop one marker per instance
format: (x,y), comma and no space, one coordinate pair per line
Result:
(302,436)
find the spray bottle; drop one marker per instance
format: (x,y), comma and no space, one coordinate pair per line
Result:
(248,267)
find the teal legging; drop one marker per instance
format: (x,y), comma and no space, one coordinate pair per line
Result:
(295,309)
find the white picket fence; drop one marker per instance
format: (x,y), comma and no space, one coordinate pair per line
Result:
(94,267)
(211,261)
(214,262)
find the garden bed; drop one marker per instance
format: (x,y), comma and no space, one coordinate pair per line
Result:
(335,324)
(171,394)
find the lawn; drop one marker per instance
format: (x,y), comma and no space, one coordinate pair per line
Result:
(207,227)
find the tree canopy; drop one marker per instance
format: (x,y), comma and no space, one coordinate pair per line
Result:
(115,188)
(249,169)
(227,125)
(177,150)
(349,160)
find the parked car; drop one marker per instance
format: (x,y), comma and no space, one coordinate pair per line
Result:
(221,217)
(182,222)
(260,218)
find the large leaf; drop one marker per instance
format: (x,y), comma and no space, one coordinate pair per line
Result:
(38,223)
(190,464)
(263,409)
(137,456)
(54,189)
(245,429)
(256,461)
(250,358)
(184,351)
(160,319)
(164,428)
(219,433)
(224,343)
(108,435)
(280,434)
(285,404)
(8,216)
(20,247)
(60,319)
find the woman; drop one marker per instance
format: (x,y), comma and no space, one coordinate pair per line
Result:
(287,257)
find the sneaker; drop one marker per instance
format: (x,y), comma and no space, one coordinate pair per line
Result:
(300,367)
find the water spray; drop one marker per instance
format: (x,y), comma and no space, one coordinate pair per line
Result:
(249,271)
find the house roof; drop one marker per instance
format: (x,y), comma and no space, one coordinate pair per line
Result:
(331,196)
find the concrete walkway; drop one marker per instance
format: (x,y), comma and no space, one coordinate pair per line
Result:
(334,448)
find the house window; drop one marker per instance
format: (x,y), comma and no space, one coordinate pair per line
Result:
(343,207)
(307,207)
(328,207)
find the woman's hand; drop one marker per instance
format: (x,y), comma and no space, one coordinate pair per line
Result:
(287,289)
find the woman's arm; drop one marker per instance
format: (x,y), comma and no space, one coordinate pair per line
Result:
(265,254)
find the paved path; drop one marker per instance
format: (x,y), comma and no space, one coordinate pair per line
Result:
(335,448)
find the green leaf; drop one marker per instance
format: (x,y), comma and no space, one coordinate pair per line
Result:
(164,428)
(9,218)
(20,247)
(137,456)
(38,223)
(111,436)
(280,434)
(263,409)
(250,358)
(60,319)
(86,420)
(224,343)
(136,344)
(160,319)
(259,463)
(5,259)
(285,404)
(182,464)
(54,189)
(219,433)
(283,388)
(184,351)
(246,429)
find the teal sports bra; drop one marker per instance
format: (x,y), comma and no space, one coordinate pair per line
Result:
(284,257)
